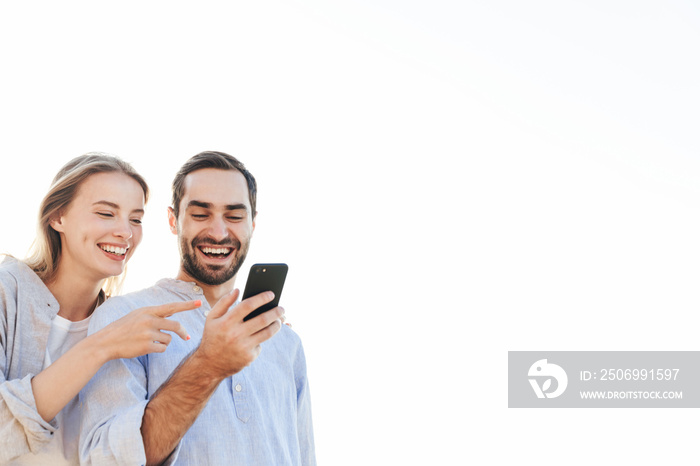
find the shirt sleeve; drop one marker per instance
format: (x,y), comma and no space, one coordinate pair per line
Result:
(304,423)
(22,429)
(113,404)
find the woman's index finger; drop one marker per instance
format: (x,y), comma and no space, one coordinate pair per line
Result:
(166,310)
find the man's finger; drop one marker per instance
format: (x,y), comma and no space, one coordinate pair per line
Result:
(250,304)
(269,330)
(266,319)
(221,307)
(166,310)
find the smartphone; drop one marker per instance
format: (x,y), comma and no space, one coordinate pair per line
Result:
(265,277)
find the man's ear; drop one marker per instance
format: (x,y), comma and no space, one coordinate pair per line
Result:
(254,217)
(172,220)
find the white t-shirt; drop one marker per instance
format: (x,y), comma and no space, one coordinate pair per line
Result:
(63,448)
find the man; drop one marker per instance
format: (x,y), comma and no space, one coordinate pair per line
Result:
(236,392)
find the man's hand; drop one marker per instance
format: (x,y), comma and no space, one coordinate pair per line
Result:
(229,344)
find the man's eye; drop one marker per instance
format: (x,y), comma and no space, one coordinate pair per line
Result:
(235,218)
(199,216)
(136,221)
(105,214)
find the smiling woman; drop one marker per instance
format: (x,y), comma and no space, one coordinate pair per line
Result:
(101,227)
(89,227)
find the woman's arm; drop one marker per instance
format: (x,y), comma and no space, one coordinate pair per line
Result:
(22,429)
(139,332)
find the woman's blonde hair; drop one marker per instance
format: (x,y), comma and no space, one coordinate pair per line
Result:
(45,253)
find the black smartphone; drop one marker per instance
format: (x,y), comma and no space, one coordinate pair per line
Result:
(265,277)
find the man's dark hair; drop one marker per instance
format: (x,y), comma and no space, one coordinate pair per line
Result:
(212,159)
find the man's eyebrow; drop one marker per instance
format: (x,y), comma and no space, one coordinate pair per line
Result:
(204,205)
(237,207)
(208,205)
(116,206)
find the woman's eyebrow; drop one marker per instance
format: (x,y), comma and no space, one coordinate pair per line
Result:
(107,203)
(116,206)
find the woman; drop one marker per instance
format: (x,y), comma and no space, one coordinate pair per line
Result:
(89,227)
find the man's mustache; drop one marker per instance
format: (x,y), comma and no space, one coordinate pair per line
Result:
(230,242)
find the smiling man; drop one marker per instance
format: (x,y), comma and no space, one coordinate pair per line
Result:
(237,392)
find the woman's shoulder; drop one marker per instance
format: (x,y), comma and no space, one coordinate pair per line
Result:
(11,271)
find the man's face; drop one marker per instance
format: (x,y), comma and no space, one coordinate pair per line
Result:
(214,226)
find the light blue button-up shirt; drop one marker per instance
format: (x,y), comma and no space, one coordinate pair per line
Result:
(259,416)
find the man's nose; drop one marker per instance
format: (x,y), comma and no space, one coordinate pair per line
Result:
(217,229)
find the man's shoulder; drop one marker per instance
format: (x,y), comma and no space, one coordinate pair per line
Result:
(118,306)
(146,294)
(288,334)
(286,340)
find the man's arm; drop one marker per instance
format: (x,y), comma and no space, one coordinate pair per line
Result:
(228,345)
(305,427)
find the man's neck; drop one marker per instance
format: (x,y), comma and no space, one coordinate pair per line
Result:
(212,293)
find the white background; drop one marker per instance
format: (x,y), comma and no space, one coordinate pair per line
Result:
(447,181)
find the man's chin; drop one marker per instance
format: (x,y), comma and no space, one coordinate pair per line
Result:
(209,278)
(212,275)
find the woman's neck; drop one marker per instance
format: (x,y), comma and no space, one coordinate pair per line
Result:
(76,296)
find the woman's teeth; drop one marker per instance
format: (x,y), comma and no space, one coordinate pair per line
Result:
(114,250)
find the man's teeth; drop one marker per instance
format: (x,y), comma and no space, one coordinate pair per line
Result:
(207,250)
(114,249)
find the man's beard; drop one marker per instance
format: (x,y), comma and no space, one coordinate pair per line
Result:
(212,274)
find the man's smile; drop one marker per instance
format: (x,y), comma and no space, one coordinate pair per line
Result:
(215,252)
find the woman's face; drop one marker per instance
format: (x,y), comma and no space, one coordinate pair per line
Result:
(101,227)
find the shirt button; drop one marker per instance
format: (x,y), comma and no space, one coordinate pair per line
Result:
(196,289)
(238,388)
